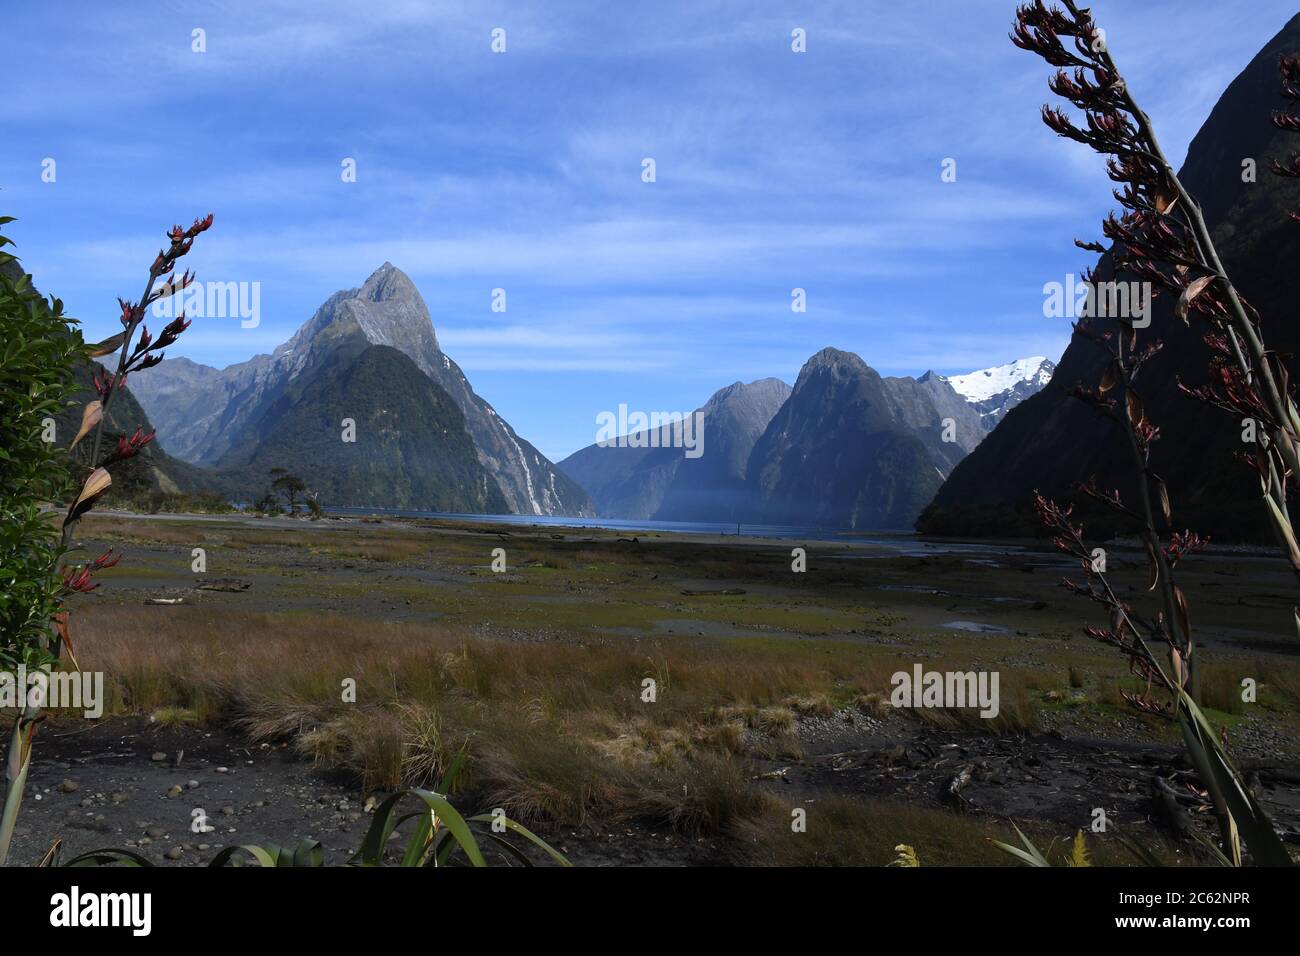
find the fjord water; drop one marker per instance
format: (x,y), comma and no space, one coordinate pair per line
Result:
(899,542)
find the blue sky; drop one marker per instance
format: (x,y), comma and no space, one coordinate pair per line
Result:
(522,171)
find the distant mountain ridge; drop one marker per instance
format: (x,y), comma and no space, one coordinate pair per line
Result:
(663,483)
(845,447)
(219,417)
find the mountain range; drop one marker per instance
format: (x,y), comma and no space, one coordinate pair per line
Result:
(651,479)
(845,447)
(362,403)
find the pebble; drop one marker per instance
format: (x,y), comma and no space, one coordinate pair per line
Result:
(155,832)
(69,786)
(175,853)
(174,790)
(158,756)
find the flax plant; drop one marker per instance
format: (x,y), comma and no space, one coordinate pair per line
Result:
(1163,240)
(41,353)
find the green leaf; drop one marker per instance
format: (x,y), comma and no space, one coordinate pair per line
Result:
(371,852)
(307,853)
(266,857)
(454,822)
(526,834)
(107,857)
(1225,782)
(510,849)
(418,845)
(1029,855)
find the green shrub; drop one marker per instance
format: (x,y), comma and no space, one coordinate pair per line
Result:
(39,348)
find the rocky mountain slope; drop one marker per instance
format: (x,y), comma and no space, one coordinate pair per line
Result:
(220,416)
(411,449)
(851,449)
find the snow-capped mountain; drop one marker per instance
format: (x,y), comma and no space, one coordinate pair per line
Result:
(995,391)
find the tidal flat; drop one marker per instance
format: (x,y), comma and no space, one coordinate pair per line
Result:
(639,698)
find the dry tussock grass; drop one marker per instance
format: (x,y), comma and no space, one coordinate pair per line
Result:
(553,731)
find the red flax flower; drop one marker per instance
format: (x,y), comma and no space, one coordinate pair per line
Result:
(172,330)
(1289,67)
(146,353)
(130,447)
(107,384)
(1185,542)
(78,578)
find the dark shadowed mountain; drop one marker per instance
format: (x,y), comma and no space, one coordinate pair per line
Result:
(411,449)
(650,479)
(851,449)
(1052,441)
(220,418)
